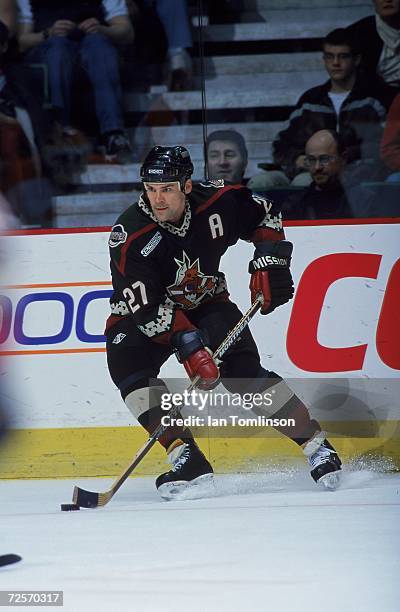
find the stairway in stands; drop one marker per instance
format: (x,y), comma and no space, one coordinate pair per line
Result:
(255,71)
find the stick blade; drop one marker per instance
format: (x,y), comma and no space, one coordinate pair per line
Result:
(85,499)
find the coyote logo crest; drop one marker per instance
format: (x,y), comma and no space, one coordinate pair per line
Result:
(191,286)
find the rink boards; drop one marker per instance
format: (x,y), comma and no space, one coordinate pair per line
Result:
(338,340)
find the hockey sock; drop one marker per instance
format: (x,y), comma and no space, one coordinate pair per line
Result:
(286,405)
(304,427)
(151,419)
(145,403)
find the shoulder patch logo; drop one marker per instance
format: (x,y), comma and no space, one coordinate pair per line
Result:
(151,245)
(118,236)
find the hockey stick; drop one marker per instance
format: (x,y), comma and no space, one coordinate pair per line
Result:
(90,499)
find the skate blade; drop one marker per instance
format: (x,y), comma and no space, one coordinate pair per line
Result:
(183,489)
(330,481)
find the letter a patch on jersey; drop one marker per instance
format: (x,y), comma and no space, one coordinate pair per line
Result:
(191,286)
(216,227)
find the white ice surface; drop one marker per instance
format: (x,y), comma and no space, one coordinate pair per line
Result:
(260,543)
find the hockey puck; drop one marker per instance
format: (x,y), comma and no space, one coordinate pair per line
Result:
(69,507)
(9,559)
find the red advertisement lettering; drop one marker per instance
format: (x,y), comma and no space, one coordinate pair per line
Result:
(302,343)
(388,331)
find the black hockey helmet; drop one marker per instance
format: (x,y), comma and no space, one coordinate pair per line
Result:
(167,165)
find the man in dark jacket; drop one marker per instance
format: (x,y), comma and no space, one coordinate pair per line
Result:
(345,103)
(327,197)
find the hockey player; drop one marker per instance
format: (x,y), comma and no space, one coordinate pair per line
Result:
(169,296)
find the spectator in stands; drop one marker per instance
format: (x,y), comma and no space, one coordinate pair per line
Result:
(173,15)
(327,197)
(378,37)
(60,34)
(390,145)
(20,167)
(7,15)
(226,156)
(22,81)
(144,60)
(345,103)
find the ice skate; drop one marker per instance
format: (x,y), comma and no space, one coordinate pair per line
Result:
(324,462)
(190,469)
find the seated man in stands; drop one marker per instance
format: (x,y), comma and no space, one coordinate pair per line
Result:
(226,156)
(7,15)
(390,145)
(60,34)
(327,197)
(22,84)
(378,37)
(344,102)
(174,18)
(20,167)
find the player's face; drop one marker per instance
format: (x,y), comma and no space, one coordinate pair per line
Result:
(167,201)
(225,161)
(339,61)
(387,8)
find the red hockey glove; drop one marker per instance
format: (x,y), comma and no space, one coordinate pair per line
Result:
(197,359)
(270,274)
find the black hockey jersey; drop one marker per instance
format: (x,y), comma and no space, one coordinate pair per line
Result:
(160,270)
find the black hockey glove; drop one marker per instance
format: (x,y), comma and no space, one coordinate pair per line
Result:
(270,274)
